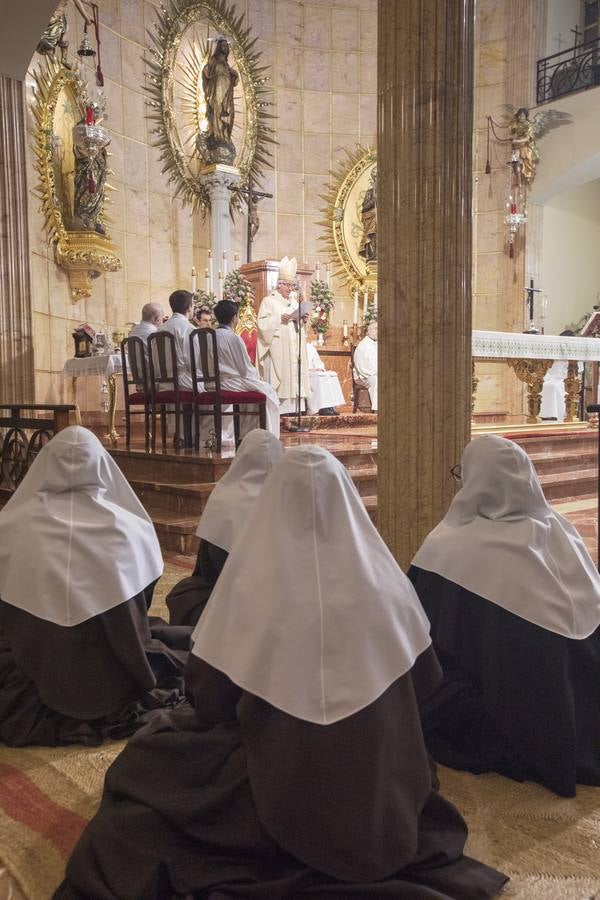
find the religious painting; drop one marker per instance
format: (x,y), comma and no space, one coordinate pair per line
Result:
(71,160)
(209,96)
(351,219)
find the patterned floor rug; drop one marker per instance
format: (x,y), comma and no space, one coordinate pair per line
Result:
(549,846)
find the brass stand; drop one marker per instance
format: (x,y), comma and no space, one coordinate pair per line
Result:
(112,434)
(531,372)
(572,391)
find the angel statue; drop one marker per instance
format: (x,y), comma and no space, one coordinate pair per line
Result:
(218,83)
(523,134)
(54,34)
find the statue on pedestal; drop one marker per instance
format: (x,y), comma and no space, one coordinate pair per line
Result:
(368,243)
(90,142)
(218,83)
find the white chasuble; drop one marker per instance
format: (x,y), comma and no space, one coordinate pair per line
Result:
(278,347)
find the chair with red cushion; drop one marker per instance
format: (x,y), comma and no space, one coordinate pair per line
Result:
(166,396)
(135,375)
(210,401)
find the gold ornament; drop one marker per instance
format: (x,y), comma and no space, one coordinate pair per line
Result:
(177,101)
(344,219)
(83,254)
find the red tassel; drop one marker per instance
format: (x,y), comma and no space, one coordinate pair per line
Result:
(513,207)
(89,116)
(91,185)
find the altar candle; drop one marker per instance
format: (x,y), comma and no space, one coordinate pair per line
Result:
(544,304)
(194,280)
(89,115)
(329,280)
(317,270)
(210,270)
(375,299)
(236,260)
(224,263)
(207,281)
(365,302)
(220,278)
(355,315)
(345,330)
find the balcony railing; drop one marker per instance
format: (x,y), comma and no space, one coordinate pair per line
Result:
(24,429)
(568,71)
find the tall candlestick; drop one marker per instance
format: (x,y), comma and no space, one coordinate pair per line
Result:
(224,263)
(207,284)
(220,277)
(210,270)
(365,302)
(375,299)
(355,315)
(345,329)
(194,280)
(317,271)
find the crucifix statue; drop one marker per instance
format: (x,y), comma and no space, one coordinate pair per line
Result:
(559,41)
(252,198)
(531,292)
(575,31)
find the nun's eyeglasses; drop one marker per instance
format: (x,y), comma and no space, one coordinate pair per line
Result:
(456,472)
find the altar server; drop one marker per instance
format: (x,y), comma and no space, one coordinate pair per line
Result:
(78,561)
(230,505)
(277,348)
(304,772)
(514,603)
(365,363)
(180,326)
(325,390)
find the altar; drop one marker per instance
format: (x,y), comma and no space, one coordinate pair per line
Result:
(530,357)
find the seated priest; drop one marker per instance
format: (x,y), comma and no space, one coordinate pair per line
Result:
(152,317)
(325,391)
(277,346)
(229,506)
(79,558)
(365,363)
(514,603)
(301,771)
(238,374)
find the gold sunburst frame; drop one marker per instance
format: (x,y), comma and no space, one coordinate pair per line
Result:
(254,156)
(340,214)
(84,254)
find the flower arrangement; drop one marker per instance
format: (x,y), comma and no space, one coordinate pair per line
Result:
(370,316)
(238,288)
(204,300)
(323,302)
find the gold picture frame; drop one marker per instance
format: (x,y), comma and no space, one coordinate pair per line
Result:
(58,103)
(174,86)
(342,225)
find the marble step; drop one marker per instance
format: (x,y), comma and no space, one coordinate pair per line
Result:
(564,461)
(559,485)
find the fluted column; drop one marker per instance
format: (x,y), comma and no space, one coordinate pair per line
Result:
(425,127)
(16,342)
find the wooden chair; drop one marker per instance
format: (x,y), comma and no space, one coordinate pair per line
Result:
(210,401)
(165,395)
(357,388)
(135,375)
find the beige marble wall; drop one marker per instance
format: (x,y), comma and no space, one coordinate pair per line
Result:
(509,36)
(324,75)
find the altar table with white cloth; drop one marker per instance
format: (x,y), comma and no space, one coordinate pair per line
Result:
(107,366)
(530,357)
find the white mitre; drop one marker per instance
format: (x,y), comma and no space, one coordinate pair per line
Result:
(288,268)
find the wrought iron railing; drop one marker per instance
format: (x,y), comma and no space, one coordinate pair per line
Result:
(568,71)
(24,429)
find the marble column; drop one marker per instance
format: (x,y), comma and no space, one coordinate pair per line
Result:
(16,340)
(218,179)
(425,127)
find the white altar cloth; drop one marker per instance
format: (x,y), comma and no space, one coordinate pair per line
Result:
(84,366)
(513,345)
